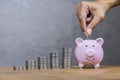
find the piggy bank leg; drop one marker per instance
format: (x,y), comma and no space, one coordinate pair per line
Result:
(97,66)
(81,65)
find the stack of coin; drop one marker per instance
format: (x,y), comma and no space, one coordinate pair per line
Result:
(35,65)
(42,62)
(66,58)
(54,61)
(30,64)
(26,65)
(14,68)
(38,63)
(18,68)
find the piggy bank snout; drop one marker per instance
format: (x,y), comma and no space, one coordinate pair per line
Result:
(90,53)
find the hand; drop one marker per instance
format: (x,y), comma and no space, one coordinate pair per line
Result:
(90,14)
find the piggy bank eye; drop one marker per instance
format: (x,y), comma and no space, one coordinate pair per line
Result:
(86,45)
(93,45)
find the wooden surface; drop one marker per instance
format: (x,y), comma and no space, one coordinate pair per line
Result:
(103,73)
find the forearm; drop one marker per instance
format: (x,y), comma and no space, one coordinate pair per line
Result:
(110,3)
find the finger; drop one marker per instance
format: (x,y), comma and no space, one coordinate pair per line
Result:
(96,20)
(88,20)
(82,15)
(83,24)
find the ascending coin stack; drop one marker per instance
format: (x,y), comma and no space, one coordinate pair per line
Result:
(41,63)
(66,58)
(54,61)
(30,64)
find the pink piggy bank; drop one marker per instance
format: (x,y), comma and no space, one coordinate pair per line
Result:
(89,52)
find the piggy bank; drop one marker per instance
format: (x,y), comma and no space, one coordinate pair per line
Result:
(89,52)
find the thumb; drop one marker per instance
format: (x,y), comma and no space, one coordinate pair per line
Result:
(95,21)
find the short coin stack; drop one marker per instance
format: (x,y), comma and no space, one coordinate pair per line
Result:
(30,65)
(18,68)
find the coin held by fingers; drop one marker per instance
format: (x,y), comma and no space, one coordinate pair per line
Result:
(89,31)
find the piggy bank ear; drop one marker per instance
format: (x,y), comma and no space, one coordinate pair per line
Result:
(78,41)
(100,41)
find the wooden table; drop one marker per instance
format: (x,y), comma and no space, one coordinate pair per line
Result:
(103,73)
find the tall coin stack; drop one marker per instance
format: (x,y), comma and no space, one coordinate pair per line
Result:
(66,58)
(54,61)
(42,62)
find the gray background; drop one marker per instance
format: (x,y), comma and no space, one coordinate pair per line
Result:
(31,28)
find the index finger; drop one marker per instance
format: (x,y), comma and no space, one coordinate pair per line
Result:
(82,15)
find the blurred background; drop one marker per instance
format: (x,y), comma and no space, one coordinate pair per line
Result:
(32,28)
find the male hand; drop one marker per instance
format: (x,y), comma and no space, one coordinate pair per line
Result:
(90,14)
